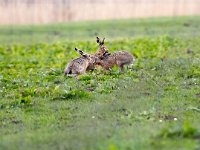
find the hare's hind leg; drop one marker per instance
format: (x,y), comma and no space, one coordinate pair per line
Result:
(71,73)
(124,67)
(121,66)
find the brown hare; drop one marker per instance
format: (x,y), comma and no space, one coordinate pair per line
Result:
(79,65)
(119,58)
(108,60)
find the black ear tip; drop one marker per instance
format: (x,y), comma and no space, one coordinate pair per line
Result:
(106,54)
(76,48)
(98,40)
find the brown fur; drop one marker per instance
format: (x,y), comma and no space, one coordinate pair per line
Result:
(108,60)
(119,58)
(79,65)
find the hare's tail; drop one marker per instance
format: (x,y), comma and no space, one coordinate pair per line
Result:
(68,71)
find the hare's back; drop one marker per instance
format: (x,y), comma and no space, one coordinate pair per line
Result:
(80,60)
(120,55)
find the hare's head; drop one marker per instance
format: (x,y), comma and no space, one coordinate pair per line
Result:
(102,48)
(105,55)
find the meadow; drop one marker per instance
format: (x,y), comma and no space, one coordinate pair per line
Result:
(155,104)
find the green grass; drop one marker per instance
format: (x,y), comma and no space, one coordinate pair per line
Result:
(152,105)
(183,27)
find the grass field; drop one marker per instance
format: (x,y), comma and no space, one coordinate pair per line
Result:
(153,105)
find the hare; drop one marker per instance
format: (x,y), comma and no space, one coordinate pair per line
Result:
(108,60)
(79,65)
(119,58)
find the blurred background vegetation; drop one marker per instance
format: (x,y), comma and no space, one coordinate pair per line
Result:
(152,105)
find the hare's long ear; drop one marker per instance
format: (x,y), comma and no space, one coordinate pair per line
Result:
(82,53)
(102,43)
(79,51)
(104,55)
(98,40)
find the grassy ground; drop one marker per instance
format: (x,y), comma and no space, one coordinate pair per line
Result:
(153,105)
(184,27)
